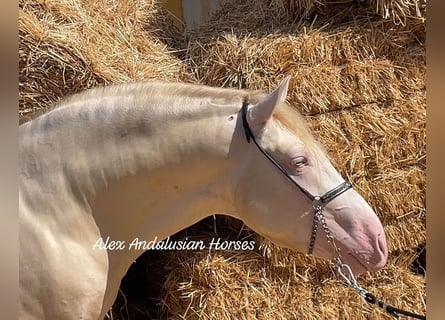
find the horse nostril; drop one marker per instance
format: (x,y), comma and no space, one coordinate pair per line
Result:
(382,248)
(379,257)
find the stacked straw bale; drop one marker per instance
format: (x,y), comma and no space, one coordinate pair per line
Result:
(358,75)
(67,46)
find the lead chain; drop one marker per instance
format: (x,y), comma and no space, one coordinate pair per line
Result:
(314,231)
(319,217)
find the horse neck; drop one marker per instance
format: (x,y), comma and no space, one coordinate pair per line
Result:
(155,166)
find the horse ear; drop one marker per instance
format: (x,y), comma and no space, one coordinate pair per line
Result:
(262,111)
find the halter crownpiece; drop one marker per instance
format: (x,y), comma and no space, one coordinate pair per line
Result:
(318,201)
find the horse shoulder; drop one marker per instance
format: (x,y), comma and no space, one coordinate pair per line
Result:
(61,277)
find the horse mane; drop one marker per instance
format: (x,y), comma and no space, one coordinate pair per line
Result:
(153,88)
(287,116)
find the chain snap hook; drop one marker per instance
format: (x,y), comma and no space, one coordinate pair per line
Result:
(349,277)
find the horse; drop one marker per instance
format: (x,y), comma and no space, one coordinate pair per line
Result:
(148,159)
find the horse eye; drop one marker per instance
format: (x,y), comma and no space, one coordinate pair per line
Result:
(299,162)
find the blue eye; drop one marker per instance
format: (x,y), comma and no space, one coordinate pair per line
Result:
(299,162)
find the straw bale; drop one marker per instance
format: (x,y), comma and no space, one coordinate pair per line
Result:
(263,17)
(230,285)
(67,46)
(342,68)
(396,10)
(233,285)
(277,283)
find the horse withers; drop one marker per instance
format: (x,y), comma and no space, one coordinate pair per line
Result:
(145,160)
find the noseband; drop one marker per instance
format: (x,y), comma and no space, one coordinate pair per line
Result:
(318,201)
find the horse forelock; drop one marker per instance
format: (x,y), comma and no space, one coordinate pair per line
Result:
(291,119)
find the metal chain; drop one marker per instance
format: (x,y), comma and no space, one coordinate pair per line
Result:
(320,217)
(314,229)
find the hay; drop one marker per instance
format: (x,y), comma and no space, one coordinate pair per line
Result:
(358,75)
(67,46)
(276,283)
(396,10)
(230,285)
(266,17)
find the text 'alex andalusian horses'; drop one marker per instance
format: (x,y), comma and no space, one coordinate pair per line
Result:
(148,159)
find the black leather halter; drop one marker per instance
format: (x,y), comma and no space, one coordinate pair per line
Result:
(318,201)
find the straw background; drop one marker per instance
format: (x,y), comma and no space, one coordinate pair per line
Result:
(358,76)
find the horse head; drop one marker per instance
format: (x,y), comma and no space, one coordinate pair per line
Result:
(283,178)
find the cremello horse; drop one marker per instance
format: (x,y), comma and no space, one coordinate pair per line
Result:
(149,159)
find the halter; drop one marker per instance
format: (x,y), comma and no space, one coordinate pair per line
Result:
(343,269)
(318,201)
